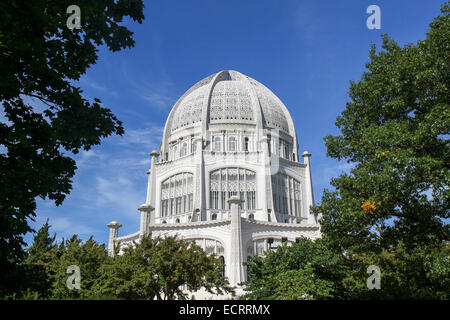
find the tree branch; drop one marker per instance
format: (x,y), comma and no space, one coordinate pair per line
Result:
(43,100)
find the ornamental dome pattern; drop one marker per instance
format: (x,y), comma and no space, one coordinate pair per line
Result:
(229,97)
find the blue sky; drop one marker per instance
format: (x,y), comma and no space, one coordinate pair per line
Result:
(305,51)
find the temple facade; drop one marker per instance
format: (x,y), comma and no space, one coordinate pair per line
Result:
(228,174)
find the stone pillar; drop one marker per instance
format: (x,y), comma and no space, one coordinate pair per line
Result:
(223,141)
(199,202)
(113,232)
(308,185)
(147,219)
(236,257)
(151,188)
(265,187)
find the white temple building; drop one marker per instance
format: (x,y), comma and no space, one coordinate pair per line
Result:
(228,174)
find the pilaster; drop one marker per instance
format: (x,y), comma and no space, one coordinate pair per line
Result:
(236,257)
(308,185)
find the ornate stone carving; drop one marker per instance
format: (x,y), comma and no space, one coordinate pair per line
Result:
(230,100)
(189,110)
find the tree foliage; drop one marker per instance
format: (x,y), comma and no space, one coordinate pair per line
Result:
(394,131)
(301,284)
(47,263)
(40,59)
(37,276)
(313,270)
(392,209)
(152,268)
(161,268)
(42,242)
(89,256)
(419,273)
(304,270)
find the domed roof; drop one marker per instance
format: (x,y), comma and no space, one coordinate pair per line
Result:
(189,109)
(229,97)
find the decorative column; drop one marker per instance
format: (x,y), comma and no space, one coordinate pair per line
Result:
(151,188)
(113,232)
(265,186)
(288,193)
(236,257)
(199,182)
(308,186)
(147,219)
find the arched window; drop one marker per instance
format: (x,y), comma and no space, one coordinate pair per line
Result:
(217,144)
(210,246)
(246,140)
(227,182)
(183,150)
(164,221)
(177,194)
(286,195)
(214,216)
(231,144)
(251,217)
(177,221)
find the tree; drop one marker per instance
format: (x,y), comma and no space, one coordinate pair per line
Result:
(392,209)
(89,256)
(301,284)
(36,279)
(42,242)
(45,267)
(161,268)
(40,59)
(395,132)
(303,270)
(419,273)
(40,255)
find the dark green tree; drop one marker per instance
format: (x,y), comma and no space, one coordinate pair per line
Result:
(41,58)
(89,256)
(36,279)
(160,268)
(304,270)
(422,272)
(394,131)
(40,255)
(392,209)
(42,242)
(301,284)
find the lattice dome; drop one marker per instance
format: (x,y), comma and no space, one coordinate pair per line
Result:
(229,97)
